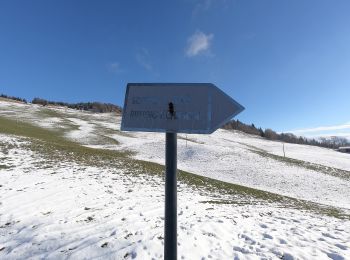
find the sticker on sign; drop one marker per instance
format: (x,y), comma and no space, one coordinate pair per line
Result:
(193,108)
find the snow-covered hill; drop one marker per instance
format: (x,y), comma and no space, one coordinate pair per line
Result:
(311,173)
(60,199)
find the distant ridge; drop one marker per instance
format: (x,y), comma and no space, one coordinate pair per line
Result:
(97,107)
(22,100)
(333,142)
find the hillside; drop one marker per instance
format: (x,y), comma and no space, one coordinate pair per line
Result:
(73,185)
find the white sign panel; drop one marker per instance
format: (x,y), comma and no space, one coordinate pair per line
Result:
(194,108)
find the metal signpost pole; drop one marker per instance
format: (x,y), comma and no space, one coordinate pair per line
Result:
(170,227)
(195,108)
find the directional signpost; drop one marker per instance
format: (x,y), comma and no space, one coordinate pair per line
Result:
(192,108)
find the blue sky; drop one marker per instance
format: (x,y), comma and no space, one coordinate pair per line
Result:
(287,62)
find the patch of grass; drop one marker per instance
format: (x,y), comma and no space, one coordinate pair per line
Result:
(47,113)
(64,126)
(108,131)
(101,139)
(12,127)
(238,195)
(107,140)
(4,167)
(55,149)
(229,193)
(68,125)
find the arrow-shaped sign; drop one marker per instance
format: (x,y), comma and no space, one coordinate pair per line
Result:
(193,108)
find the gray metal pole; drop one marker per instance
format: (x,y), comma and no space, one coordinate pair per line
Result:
(170,227)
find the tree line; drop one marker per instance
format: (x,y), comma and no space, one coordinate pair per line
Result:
(333,142)
(97,107)
(14,98)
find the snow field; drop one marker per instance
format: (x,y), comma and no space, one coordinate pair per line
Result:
(74,211)
(81,212)
(221,156)
(231,155)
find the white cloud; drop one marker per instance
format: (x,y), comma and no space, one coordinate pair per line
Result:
(201,6)
(198,43)
(346,135)
(342,130)
(144,59)
(114,67)
(323,128)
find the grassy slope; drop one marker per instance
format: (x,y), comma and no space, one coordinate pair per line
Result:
(55,148)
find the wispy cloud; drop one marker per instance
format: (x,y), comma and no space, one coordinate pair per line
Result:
(201,6)
(342,130)
(198,43)
(144,59)
(323,128)
(114,67)
(340,134)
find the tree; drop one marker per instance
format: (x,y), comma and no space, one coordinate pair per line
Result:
(270,134)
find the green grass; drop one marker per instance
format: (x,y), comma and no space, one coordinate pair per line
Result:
(108,131)
(237,194)
(67,126)
(104,139)
(56,149)
(54,146)
(228,193)
(47,113)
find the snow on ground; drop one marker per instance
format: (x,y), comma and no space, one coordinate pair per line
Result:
(224,155)
(50,122)
(83,132)
(73,211)
(312,154)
